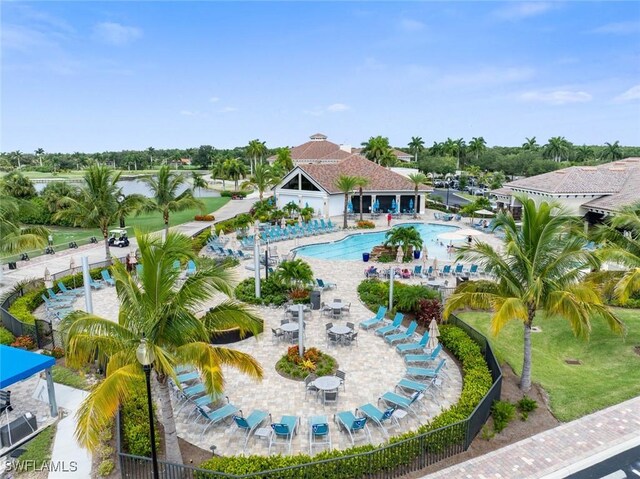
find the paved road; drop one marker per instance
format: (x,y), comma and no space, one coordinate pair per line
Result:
(454,200)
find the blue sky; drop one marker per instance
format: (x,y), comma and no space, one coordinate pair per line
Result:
(92,76)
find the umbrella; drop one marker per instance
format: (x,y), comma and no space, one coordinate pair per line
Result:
(72,267)
(469,232)
(48,282)
(399,254)
(451,236)
(283,223)
(484,212)
(435,264)
(425,251)
(433,335)
(350,207)
(410,204)
(300,220)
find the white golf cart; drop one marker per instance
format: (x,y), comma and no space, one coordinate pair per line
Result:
(118,237)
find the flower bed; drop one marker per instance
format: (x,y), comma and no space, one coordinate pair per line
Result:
(293,366)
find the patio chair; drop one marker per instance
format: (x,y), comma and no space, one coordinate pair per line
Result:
(379,417)
(188,377)
(403,402)
(333,338)
(427,372)
(395,326)
(377,319)
(217,415)
(242,255)
(277,334)
(330,396)
(409,347)
(446,271)
(325,309)
(176,265)
(423,358)
(285,430)
(69,292)
(139,270)
(106,277)
(58,296)
(95,284)
(347,309)
(415,386)
(417,270)
(309,386)
(248,425)
(350,325)
(319,433)
(56,305)
(191,268)
(473,270)
(459,269)
(326,284)
(353,425)
(401,337)
(343,377)
(336,313)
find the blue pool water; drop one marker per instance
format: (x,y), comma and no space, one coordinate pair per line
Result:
(352,247)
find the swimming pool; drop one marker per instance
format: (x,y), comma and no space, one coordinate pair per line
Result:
(352,247)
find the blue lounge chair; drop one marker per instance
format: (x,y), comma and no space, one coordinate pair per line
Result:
(417,270)
(473,271)
(353,425)
(409,347)
(459,269)
(416,386)
(249,424)
(217,415)
(326,284)
(139,270)
(285,430)
(391,328)
(68,292)
(55,304)
(403,402)
(191,268)
(107,277)
(379,417)
(446,271)
(57,297)
(95,284)
(427,372)
(377,319)
(423,358)
(400,337)
(176,265)
(188,377)
(319,433)
(241,255)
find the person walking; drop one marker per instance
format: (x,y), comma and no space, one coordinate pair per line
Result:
(389,219)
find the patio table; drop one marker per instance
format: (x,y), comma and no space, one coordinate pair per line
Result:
(327,383)
(340,330)
(290,327)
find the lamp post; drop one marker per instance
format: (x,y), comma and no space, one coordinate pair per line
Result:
(256,256)
(145,356)
(447,196)
(120,199)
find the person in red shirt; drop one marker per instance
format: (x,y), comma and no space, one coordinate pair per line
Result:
(389,219)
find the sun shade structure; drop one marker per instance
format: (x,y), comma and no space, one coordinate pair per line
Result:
(17,365)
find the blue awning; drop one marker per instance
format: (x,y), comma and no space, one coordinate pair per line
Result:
(18,364)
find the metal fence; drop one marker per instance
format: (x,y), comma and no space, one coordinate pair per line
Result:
(386,462)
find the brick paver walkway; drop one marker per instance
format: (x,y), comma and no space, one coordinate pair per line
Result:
(557,452)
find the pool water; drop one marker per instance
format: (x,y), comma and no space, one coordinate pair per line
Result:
(352,246)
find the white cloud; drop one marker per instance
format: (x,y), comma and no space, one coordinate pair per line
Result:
(214,99)
(557,97)
(335,107)
(411,25)
(618,28)
(116,33)
(228,109)
(631,94)
(521,10)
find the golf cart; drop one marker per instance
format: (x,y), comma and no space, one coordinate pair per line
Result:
(118,237)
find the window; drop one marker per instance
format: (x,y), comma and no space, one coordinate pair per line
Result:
(306,185)
(292,184)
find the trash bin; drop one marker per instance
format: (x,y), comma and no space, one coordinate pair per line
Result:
(314,297)
(365,257)
(416,254)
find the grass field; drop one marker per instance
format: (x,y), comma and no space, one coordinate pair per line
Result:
(608,375)
(38,450)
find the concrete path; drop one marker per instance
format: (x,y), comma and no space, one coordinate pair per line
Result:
(558,452)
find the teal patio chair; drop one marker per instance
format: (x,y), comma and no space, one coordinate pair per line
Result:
(326,284)
(423,358)
(401,337)
(377,319)
(57,297)
(409,347)
(427,372)
(215,416)
(416,386)
(56,304)
(319,433)
(249,424)
(353,425)
(69,292)
(379,417)
(95,284)
(191,268)
(107,277)
(391,328)
(284,430)
(459,269)
(403,402)
(446,271)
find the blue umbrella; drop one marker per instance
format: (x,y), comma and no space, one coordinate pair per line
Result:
(410,204)
(306,205)
(394,206)
(350,207)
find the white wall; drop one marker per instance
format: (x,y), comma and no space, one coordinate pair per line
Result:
(336,204)
(572,204)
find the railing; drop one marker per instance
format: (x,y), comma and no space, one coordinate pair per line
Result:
(386,462)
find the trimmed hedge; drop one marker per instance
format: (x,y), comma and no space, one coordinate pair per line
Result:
(6,337)
(135,423)
(199,241)
(229,194)
(477,382)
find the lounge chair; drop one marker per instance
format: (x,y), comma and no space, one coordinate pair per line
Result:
(176,265)
(427,372)
(423,358)
(139,270)
(409,347)
(391,328)
(326,284)
(416,386)
(241,255)
(57,297)
(378,318)
(446,271)
(319,433)
(217,415)
(69,292)
(95,284)
(417,270)
(379,417)
(459,269)
(56,304)
(249,424)
(473,270)
(349,422)
(403,402)
(107,277)
(401,337)
(191,268)
(285,430)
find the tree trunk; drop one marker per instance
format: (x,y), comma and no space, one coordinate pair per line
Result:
(361,204)
(166,224)
(346,201)
(415,204)
(525,380)
(106,245)
(172,448)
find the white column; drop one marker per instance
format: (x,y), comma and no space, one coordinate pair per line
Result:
(256,257)
(301,330)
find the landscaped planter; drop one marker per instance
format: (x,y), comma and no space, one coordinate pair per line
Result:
(229,336)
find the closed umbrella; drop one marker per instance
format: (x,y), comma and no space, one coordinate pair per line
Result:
(433,335)
(72,267)
(435,264)
(48,282)
(283,223)
(400,254)
(425,252)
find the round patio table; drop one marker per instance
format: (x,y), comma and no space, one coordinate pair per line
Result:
(294,309)
(334,305)
(290,327)
(340,330)
(327,383)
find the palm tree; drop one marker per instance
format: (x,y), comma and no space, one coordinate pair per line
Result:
(416,145)
(417,179)
(376,148)
(361,182)
(164,189)
(346,184)
(612,151)
(236,170)
(14,237)
(388,159)
(17,155)
(295,273)
(219,171)
(39,152)
(151,150)
(197,181)
(256,149)
(530,144)
(621,237)
(584,153)
(437,149)
(405,237)
(97,204)
(161,309)
(539,270)
(262,180)
(283,159)
(477,145)
(557,148)
(19,186)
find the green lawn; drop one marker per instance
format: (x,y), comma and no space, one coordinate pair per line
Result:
(38,450)
(69,377)
(608,375)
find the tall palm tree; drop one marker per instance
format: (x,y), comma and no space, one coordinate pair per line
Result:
(162,309)
(361,182)
(557,148)
(584,153)
(539,270)
(283,159)
(477,146)
(17,155)
(416,145)
(417,179)
(236,169)
(530,144)
(14,237)
(98,203)
(165,198)
(219,171)
(388,159)
(346,185)
(39,152)
(197,181)
(262,179)
(256,149)
(621,237)
(376,148)
(405,237)
(612,151)
(436,149)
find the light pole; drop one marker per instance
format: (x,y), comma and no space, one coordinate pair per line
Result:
(145,356)
(447,196)
(256,256)
(120,199)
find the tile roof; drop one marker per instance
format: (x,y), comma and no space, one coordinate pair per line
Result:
(398,153)
(628,194)
(380,178)
(318,150)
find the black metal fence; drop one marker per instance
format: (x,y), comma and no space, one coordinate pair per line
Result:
(386,462)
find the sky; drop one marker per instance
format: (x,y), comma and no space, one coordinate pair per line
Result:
(93,76)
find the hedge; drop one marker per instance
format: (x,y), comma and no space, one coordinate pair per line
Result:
(200,240)
(374,292)
(135,423)
(229,194)
(6,337)
(476,384)
(271,292)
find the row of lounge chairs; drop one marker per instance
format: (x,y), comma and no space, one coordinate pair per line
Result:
(228,252)
(312,228)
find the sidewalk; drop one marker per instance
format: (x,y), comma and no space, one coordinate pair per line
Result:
(558,452)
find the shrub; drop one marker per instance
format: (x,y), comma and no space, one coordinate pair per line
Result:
(229,194)
(428,309)
(503,412)
(200,240)
(135,423)
(478,286)
(525,406)
(365,224)
(56,352)
(25,342)
(313,360)
(374,292)
(106,467)
(6,337)
(204,217)
(272,292)
(226,226)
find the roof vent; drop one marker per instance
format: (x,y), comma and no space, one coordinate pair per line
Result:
(561,172)
(617,168)
(589,168)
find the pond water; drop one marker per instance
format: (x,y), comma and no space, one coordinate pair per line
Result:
(134,186)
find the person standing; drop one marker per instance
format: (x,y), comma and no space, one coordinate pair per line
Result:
(389,219)
(128,263)
(50,239)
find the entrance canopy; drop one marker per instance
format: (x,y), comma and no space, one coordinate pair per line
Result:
(17,364)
